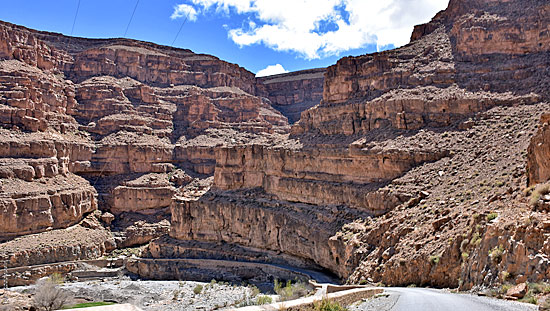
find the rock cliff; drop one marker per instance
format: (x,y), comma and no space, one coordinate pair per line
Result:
(292,93)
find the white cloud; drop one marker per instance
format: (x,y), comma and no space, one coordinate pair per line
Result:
(185,11)
(319,28)
(271,70)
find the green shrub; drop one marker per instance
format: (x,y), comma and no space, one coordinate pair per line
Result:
(328,305)
(434,260)
(529,299)
(476,239)
(496,253)
(491,216)
(263,300)
(198,289)
(57,278)
(539,191)
(465,256)
(289,291)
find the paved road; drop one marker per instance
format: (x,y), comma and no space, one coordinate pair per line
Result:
(421,299)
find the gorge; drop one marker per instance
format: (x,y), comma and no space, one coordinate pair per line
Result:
(408,166)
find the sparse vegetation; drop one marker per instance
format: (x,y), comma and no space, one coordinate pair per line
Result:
(465,256)
(539,191)
(328,305)
(49,296)
(491,216)
(505,275)
(263,300)
(434,260)
(289,291)
(496,253)
(197,290)
(254,291)
(476,239)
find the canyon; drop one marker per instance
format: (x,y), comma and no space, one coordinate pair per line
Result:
(417,165)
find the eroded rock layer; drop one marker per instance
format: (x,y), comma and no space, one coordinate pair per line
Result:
(292,93)
(107,124)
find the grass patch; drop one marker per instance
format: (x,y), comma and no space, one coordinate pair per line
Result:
(89,305)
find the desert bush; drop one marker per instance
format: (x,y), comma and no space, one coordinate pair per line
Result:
(476,239)
(434,260)
(263,300)
(197,290)
(290,291)
(539,191)
(496,253)
(328,305)
(491,216)
(48,296)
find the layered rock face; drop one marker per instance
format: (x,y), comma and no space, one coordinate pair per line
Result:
(394,139)
(466,58)
(268,224)
(105,124)
(292,93)
(319,176)
(38,191)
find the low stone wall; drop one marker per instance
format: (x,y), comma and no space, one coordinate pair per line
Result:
(344,298)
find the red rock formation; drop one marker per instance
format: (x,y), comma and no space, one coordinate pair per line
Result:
(538,165)
(292,93)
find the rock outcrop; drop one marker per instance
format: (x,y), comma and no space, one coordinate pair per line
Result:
(292,93)
(538,165)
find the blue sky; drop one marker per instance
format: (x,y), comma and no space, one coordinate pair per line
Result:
(292,34)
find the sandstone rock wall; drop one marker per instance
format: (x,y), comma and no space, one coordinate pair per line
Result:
(292,93)
(474,51)
(321,176)
(299,230)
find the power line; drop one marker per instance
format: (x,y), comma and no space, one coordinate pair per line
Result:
(131,18)
(76,14)
(181,27)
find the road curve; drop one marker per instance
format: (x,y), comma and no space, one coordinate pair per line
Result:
(422,299)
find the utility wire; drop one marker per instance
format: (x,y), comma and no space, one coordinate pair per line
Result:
(181,27)
(76,14)
(131,18)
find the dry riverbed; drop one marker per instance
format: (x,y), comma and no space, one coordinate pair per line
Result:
(159,295)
